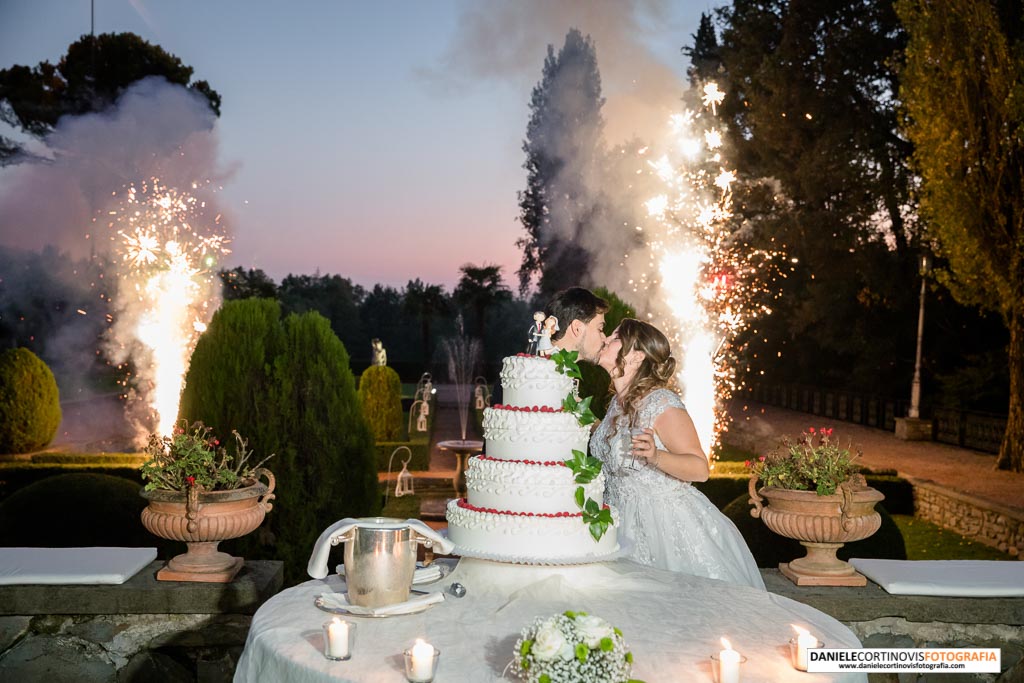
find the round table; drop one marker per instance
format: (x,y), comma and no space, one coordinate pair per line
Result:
(462,448)
(672,623)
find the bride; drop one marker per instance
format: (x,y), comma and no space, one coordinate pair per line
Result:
(651,453)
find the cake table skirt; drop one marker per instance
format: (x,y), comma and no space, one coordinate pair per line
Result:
(672,623)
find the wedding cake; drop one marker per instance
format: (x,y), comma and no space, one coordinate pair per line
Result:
(523,499)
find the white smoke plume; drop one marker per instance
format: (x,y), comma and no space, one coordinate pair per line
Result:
(66,199)
(652,216)
(507,41)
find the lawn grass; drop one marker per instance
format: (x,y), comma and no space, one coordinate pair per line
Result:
(729,453)
(927,541)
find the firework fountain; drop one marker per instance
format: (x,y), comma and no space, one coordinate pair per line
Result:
(166,250)
(699,275)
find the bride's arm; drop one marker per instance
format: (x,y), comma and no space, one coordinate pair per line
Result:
(682,457)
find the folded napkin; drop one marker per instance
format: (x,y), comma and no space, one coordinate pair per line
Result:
(413,604)
(72,565)
(421,575)
(947,578)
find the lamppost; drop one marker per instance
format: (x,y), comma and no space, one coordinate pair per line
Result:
(912,427)
(915,388)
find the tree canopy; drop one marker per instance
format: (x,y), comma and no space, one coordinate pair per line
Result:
(479,289)
(812,129)
(963,94)
(89,78)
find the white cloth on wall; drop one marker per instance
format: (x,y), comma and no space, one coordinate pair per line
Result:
(72,565)
(947,578)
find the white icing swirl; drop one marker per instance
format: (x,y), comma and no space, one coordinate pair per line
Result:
(523,487)
(528,381)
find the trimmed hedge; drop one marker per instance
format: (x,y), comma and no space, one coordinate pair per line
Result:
(287,387)
(79,510)
(15,476)
(380,391)
(29,402)
(406,507)
(420,461)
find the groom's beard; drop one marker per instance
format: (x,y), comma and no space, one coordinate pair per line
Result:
(582,355)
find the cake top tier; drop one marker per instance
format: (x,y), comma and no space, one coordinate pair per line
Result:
(528,381)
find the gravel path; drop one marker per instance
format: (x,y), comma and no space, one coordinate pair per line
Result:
(758,427)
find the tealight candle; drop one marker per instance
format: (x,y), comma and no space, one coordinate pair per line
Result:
(337,642)
(421,661)
(804,642)
(728,664)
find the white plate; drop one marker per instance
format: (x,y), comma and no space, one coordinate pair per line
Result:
(318,601)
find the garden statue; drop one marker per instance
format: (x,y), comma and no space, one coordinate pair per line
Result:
(535,331)
(380,355)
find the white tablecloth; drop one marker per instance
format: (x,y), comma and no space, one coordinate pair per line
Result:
(672,623)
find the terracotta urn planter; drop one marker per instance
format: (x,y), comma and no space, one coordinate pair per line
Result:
(204,519)
(822,524)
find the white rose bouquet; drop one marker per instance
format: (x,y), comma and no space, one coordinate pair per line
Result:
(573,646)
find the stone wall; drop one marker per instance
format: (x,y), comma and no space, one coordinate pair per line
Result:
(882,620)
(979,520)
(142,630)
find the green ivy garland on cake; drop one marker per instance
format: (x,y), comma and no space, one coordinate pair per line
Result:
(585,467)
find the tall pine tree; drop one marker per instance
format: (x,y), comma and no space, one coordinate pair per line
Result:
(563,159)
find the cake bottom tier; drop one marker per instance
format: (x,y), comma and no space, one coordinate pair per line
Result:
(534,536)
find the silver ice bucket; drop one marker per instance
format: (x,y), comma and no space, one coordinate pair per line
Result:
(380,558)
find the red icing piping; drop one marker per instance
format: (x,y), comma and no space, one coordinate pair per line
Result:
(524,409)
(546,463)
(463,503)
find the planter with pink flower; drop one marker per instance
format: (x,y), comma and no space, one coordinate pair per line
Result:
(201,494)
(811,491)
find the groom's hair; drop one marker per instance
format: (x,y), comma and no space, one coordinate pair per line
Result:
(574,303)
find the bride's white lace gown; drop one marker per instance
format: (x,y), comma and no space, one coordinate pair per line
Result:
(670,524)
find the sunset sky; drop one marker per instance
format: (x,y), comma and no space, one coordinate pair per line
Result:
(378,140)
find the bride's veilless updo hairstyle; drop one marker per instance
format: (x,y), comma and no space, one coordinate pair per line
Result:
(657,369)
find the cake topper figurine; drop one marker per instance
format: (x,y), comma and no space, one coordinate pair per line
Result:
(380,355)
(535,331)
(544,347)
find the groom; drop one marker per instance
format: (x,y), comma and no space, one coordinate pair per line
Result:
(580,315)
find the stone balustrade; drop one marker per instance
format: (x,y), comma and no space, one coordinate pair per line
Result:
(141,630)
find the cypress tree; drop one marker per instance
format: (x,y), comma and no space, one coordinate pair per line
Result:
(380,391)
(287,387)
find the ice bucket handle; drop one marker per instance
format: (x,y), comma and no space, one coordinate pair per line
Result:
(339,532)
(430,538)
